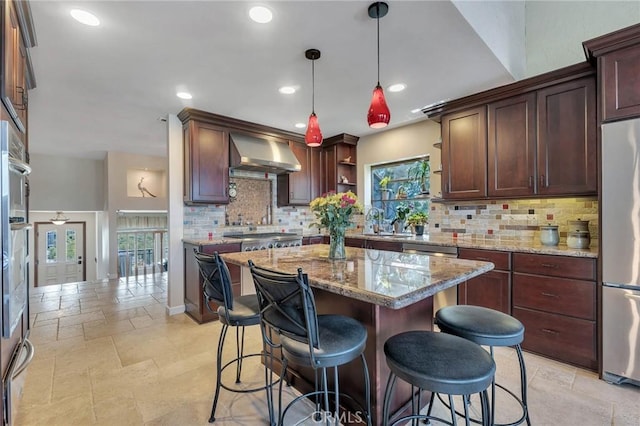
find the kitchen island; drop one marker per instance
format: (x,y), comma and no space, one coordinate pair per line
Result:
(389,292)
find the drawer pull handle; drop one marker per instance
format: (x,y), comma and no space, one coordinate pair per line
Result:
(549,294)
(549,331)
(483,258)
(550,265)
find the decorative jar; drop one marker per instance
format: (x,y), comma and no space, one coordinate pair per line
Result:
(549,235)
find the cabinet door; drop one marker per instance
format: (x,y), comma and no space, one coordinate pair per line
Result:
(300,182)
(206,156)
(491,290)
(619,81)
(330,160)
(567,138)
(464,154)
(315,172)
(13,65)
(511,147)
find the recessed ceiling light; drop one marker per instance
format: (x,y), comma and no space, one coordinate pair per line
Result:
(397,87)
(300,125)
(85,17)
(260,14)
(184,95)
(287,90)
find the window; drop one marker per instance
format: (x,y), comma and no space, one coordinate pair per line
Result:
(52,244)
(71,245)
(400,182)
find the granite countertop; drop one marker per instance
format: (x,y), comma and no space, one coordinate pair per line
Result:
(391,279)
(523,246)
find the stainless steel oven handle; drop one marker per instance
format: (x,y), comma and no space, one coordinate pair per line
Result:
(30,352)
(19,166)
(21,226)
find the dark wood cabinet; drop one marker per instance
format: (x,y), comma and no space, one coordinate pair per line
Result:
(555,298)
(339,158)
(511,147)
(17,72)
(492,289)
(299,188)
(464,154)
(618,60)
(536,137)
(194,302)
(206,163)
(567,139)
(315,239)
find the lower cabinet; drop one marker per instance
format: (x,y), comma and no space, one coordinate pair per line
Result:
(555,298)
(195,305)
(315,239)
(492,289)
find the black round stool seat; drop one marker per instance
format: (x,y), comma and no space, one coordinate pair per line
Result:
(483,326)
(439,362)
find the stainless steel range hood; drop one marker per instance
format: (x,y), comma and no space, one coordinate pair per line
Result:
(261,155)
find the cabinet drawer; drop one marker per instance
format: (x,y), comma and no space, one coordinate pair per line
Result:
(501,259)
(558,295)
(557,266)
(566,339)
(221,248)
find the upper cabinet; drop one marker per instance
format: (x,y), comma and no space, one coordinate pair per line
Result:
(209,154)
(536,137)
(567,138)
(464,154)
(18,36)
(511,146)
(618,59)
(340,160)
(206,163)
(299,188)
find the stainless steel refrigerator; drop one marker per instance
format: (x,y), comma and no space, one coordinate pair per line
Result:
(621,251)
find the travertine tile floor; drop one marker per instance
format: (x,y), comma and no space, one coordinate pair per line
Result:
(107,354)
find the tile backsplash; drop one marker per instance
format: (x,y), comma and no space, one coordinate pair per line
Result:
(512,219)
(255,192)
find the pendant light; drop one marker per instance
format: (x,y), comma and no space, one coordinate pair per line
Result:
(379,114)
(60,219)
(313,136)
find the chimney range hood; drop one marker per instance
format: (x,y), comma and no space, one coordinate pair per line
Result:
(261,155)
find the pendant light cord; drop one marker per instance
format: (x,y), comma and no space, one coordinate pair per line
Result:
(313,86)
(378,24)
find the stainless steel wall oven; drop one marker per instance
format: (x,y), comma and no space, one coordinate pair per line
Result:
(13,228)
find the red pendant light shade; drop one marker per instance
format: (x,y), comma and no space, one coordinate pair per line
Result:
(379,114)
(313,136)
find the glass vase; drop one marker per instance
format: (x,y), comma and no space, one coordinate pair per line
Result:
(336,243)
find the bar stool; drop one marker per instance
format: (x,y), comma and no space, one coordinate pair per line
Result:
(287,305)
(440,363)
(239,312)
(491,328)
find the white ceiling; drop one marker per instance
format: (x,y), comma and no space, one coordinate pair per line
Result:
(104,88)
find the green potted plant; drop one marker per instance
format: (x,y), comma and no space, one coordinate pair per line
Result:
(402,211)
(383,187)
(418,220)
(419,172)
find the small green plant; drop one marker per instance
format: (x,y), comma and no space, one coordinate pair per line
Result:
(419,172)
(384,182)
(402,211)
(417,218)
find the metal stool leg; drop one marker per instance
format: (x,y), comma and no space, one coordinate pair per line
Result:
(523,383)
(391,381)
(367,387)
(223,333)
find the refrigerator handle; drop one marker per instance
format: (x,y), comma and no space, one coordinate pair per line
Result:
(27,360)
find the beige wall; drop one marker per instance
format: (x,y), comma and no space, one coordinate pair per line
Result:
(555,30)
(118,167)
(397,144)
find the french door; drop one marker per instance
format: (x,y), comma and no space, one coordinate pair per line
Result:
(60,253)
